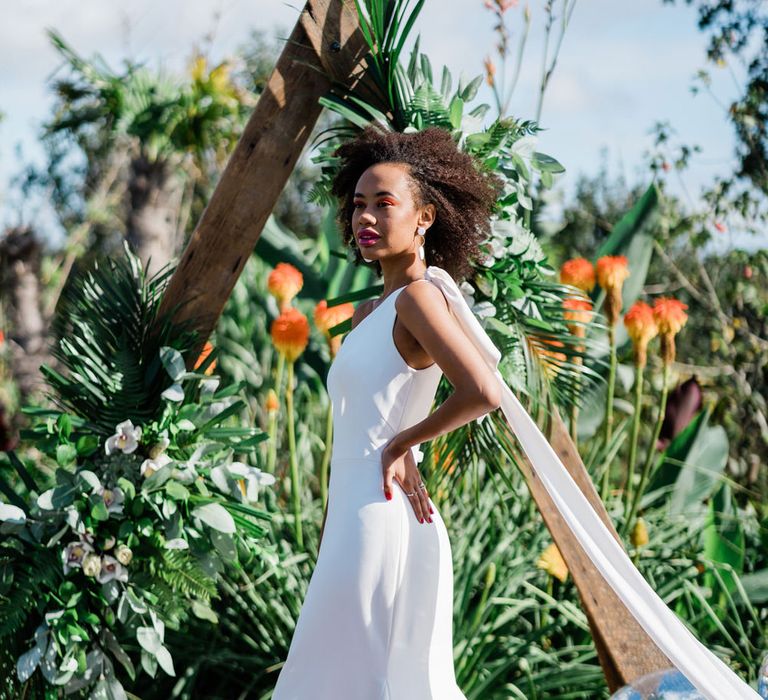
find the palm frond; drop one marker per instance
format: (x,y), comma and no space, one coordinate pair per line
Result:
(427,108)
(24,578)
(107,337)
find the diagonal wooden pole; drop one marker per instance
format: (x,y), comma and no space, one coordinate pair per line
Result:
(327,44)
(624,649)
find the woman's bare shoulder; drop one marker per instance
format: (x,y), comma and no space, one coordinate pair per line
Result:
(420,298)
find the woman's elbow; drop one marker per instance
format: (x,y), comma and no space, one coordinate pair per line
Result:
(489,396)
(492,396)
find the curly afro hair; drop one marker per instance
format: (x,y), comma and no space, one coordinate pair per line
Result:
(463,193)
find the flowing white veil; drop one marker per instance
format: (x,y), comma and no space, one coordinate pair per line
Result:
(711,676)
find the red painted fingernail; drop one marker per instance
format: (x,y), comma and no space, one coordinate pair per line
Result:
(430,510)
(421,520)
(429,520)
(388,495)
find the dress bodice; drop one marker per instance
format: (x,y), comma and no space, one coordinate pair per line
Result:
(374,392)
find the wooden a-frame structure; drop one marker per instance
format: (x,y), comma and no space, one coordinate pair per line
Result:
(327,42)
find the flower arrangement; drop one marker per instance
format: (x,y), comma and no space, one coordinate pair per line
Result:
(141,521)
(141,518)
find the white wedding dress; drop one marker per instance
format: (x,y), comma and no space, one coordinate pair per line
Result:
(376,623)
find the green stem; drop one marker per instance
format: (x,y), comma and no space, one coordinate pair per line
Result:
(635,432)
(545,611)
(574,424)
(295,486)
(651,452)
(272,428)
(609,407)
(574,427)
(326,454)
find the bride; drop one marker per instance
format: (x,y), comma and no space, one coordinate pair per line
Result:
(376,623)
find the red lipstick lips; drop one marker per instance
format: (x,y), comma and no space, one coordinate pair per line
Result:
(367,237)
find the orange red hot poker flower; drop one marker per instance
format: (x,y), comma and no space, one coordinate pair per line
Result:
(612,270)
(670,314)
(578,272)
(670,317)
(272,403)
(290,333)
(641,327)
(284,283)
(327,317)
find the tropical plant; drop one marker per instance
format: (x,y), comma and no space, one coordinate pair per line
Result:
(161,123)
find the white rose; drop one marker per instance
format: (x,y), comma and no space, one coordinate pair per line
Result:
(124,554)
(91,564)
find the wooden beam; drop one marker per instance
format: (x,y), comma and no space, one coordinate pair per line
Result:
(624,649)
(326,45)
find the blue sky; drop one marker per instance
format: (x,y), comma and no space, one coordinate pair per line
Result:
(623,65)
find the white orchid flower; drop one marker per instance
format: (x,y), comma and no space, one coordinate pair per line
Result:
(73,554)
(525,146)
(113,498)
(184,475)
(111,569)
(480,308)
(483,309)
(209,386)
(174,393)
(124,554)
(241,480)
(12,514)
(158,448)
(150,466)
(468,292)
(126,439)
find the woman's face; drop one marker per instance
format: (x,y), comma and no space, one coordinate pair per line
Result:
(384,209)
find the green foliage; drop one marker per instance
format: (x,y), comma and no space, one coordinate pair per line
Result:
(178,578)
(518,633)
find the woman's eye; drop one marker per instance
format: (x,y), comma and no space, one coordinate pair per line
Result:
(357,205)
